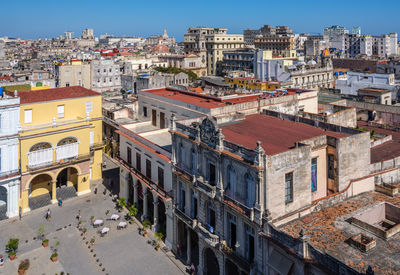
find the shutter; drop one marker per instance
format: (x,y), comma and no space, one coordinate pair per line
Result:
(28,116)
(91,138)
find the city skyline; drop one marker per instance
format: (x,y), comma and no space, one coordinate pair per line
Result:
(140,20)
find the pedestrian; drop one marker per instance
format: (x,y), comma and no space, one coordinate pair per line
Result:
(60,202)
(191,269)
(48,214)
(79,215)
(20,213)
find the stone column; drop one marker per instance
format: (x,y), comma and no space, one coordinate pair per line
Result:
(54,191)
(135,193)
(155,213)
(144,216)
(189,247)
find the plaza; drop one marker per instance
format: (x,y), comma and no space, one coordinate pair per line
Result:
(122,251)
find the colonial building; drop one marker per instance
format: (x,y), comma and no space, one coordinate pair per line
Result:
(60,144)
(212,42)
(9,166)
(191,62)
(234,181)
(106,75)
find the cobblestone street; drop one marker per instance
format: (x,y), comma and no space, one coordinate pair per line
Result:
(119,252)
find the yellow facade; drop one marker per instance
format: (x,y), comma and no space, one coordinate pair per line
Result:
(252,84)
(40,88)
(60,146)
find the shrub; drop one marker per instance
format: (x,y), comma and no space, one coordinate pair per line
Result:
(159,236)
(24,264)
(54,255)
(146,224)
(12,245)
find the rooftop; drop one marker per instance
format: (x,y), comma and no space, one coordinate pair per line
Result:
(205,101)
(329,230)
(55,94)
(387,150)
(276,136)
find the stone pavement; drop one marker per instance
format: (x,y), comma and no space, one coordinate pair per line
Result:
(119,252)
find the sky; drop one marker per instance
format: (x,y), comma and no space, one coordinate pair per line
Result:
(49,18)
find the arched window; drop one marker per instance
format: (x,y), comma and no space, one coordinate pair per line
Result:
(67,140)
(230,187)
(250,190)
(194,161)
(40,146)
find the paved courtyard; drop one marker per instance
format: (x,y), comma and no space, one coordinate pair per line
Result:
(120,252)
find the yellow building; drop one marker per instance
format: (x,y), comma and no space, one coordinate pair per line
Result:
(60,148)
(252,83)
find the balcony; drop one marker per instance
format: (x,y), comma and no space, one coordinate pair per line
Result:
(239,207)
(67,152)
(235,257)
(40,158)
(47,163)
(210,238)
(183,172)
(185,218)
(147,181)
(205,187)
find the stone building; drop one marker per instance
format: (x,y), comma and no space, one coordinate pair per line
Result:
(106,75)
(191,62)
(279,45)
(211,42)
(232,182)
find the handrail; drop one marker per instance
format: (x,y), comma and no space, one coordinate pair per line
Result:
(150,183)
(55,162)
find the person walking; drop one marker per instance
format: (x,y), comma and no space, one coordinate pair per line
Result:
(79,215)
(20,213)
(48,214)
(60,202)
(192,269)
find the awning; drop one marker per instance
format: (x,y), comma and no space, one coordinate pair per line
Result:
(280,263)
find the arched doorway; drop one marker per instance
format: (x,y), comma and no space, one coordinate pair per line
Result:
(211,266)
(40,191)
(3,202)
(231,268)
(67,183)
(130,189)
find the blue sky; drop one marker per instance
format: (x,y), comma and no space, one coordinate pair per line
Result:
(49,18)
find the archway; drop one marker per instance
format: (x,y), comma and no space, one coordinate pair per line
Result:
(67,183)
(3,202)
(231,268)
(211,266)
(130,189)
(40,191)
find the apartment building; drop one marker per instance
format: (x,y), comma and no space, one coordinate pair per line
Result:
(212,42)
(191,62)
(74,73)
(352,45)
(238,60)
(9,166)
(106,75)
(60,144)
(280,45)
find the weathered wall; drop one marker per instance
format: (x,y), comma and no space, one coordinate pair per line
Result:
(298,161)
(353,158)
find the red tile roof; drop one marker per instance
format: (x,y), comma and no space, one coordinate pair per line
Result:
(276,135)
(200,100)
(27,97)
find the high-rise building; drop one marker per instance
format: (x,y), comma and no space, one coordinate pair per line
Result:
(88,34)
(68,35)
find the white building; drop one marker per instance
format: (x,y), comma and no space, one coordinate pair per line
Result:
(106,75)
(352,45)
(334,31)
(359,80)
(9,166)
